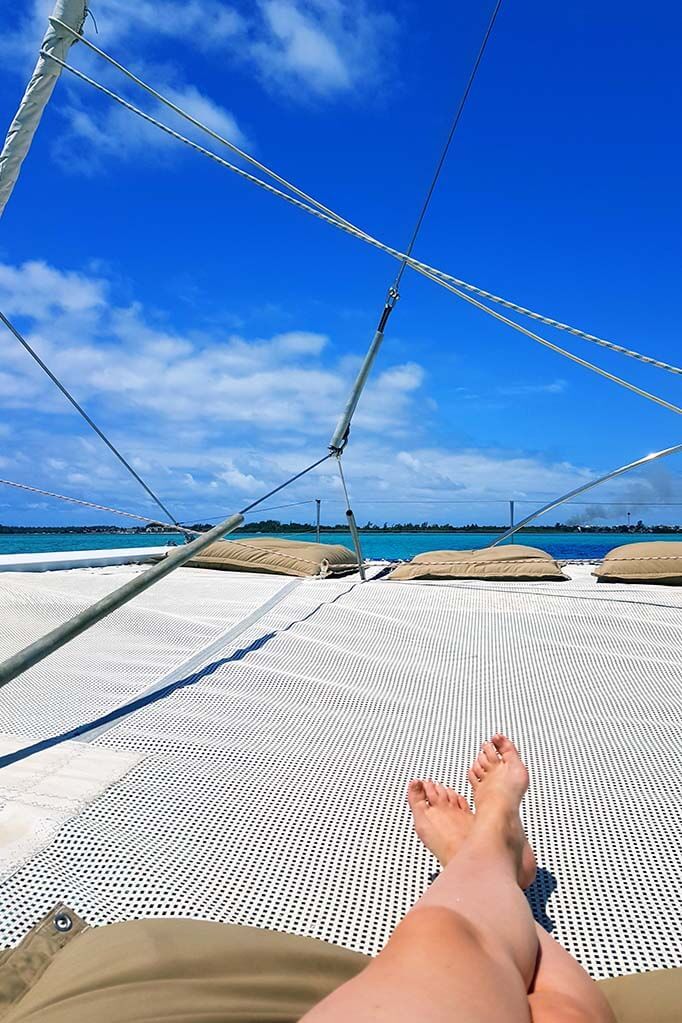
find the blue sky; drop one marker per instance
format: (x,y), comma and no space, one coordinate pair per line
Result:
(214,331)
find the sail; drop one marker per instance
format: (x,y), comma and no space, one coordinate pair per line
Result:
(38,91)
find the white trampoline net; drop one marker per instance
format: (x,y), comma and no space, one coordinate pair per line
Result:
(272,789)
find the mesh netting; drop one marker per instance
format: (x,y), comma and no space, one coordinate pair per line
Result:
(272,790)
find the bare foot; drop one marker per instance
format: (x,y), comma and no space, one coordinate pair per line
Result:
(499,773)
(443,821)
(442,818)
(499,780)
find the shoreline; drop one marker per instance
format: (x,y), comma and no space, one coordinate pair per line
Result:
(342,528)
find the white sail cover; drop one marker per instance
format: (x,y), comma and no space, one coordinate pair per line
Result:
(38,91)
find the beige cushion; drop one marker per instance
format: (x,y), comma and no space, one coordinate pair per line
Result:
(654,561)
(654,997)
(280,557)
(190,971)
(184,971)
(510,561)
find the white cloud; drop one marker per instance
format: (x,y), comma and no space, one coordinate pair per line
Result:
(323,47)
(296,46)
(527,389)
(305,48)
(212,418)
(38,290)
(152,387)
(240,481)
(96,131)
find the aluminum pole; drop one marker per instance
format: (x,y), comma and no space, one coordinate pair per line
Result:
(57,41)
(30,655)
(340,437)
(317,524)
(352,526)
(587,486)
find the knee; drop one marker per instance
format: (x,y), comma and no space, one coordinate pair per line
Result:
(435,927)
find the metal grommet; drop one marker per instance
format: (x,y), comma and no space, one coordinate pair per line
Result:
(63,922)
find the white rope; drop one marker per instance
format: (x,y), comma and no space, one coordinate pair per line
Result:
(99,507)
(199,124)
(555,348)
(575,331)
(336,218)
(422,268)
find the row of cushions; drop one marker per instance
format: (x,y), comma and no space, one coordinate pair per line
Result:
(658,561)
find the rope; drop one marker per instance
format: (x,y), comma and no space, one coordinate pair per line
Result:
(81,411)
(155,522)
(315,208)
(555,348)
(575,331)
(199,124)
(97,507)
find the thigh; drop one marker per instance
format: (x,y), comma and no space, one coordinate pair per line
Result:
(436,968)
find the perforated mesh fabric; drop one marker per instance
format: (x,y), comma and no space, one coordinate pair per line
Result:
(122,655)
(272,791)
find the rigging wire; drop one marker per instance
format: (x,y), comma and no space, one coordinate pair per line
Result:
(341,433)
(555,348)
(316,208)
(81,411)
(98,507)
(292,479)
(275,507)
(448,142)
(197,124)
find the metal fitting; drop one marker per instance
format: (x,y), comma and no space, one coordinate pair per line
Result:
(62,922)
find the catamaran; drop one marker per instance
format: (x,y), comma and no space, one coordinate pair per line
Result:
(165,712)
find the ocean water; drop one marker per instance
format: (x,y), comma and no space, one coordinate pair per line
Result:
(374,545)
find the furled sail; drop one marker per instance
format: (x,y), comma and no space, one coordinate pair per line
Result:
(38,91)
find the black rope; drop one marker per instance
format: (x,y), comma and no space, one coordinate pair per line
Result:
(79,408)
(446,147)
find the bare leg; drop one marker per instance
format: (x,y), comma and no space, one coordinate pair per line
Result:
(467,951)
(560,990)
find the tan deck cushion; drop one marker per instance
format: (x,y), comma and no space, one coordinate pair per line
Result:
(654,561)
(511,561)
(190,971)
(654,997)
(184,971)
(280,557)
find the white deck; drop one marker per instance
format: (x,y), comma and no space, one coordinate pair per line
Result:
(271,789)
(51,561)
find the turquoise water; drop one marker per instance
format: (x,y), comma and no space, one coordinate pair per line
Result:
(375,545)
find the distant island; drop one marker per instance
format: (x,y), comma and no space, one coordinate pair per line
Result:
(273,526)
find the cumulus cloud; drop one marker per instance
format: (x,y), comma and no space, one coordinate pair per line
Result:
(170,400)
(95,131)
(304,48)
(521,390)
(214,417)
